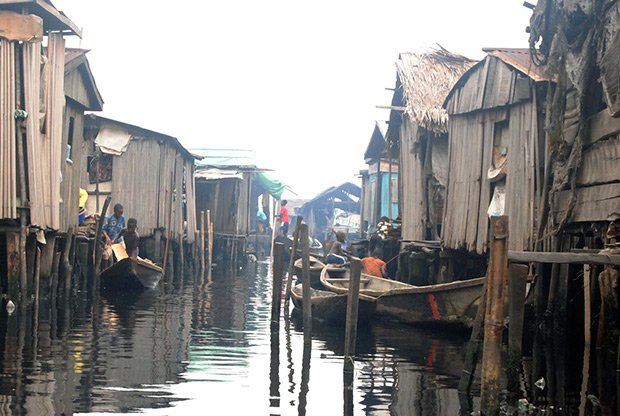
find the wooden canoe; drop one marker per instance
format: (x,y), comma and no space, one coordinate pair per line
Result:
(446,303)
(132,274)
(316,267)
(331,307)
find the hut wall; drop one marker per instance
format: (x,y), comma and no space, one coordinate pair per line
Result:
(190,201)
(598,188)
(72,164)
(412,176)
(228,201)
(472,139)
(8,152)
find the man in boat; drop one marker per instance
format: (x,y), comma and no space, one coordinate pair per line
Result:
(114,225)
(337,251)
(374,266)
(284,218)
(131,238)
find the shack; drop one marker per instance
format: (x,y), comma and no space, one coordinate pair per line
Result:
(418,135)
(496,139)
(149,173)
(417,131)
(232,188)
(379,181)
(338,207)
(81,94)
(32,100)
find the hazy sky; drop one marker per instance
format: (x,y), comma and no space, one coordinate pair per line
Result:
(296,80)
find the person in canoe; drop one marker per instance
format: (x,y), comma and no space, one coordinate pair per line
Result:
(337,251)
(374,266)
(114,225)
(131,238)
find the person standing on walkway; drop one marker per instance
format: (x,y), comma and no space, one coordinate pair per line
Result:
(284,218)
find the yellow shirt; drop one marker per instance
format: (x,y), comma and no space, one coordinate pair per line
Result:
(83,197)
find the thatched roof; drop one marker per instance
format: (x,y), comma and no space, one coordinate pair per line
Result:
(426,80)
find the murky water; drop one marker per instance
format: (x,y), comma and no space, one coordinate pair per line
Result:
(197,349)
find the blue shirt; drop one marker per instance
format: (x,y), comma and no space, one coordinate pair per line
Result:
(113,226)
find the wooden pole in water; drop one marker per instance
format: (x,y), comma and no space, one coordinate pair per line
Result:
(494,317)
(291,264)
(276,295)
(203,267)
(350,334)
(517,275)
(587,339)
(307,294)
(472,355)
(210,246)
(98,246)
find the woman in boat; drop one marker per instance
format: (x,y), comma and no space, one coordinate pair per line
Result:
(337,252)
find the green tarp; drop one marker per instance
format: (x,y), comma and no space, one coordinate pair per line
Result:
(273,186)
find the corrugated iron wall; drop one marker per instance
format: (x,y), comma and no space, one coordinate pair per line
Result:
(8,179)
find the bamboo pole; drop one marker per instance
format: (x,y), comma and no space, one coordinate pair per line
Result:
(307,302)
(276,294)
(67,266)
(350,336)
(517,275)
(203,267)
(494,317)
(21,170)
(291,264)
(587,339)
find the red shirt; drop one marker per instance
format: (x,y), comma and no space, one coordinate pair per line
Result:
(373,266)
(284,215)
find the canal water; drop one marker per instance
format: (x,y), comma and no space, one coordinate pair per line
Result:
(191,348)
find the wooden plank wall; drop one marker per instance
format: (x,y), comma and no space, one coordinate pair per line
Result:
(412,177)
(190,189)
(71,171)
(8,149)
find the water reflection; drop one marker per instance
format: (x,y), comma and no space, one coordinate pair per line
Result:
(193,347)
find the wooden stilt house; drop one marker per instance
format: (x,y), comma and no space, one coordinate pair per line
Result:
(81,94)
(495,150)
(149,173)
(417,135)
(32,102)
(379,181)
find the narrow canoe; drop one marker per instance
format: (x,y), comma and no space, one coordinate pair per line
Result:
(446,303)
(316,267)
(331,307)
(132,274)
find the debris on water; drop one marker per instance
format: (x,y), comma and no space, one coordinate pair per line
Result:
(252,258)
(524,406)
(10,307)
(541,383)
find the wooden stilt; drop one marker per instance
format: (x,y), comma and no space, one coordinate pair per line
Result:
(291,264)
(210,262)
(276,296)
(494,317)
(203,266)
(67,266)
(350,337)
(587,340)
(559,337)
(517,275)
(474,347)
(13,264)
(307,303)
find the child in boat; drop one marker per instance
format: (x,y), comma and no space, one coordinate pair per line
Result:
(374,266)
(337,250)
(131,238)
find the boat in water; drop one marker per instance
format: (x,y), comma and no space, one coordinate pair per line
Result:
(331,307)
(445,303)
(316,267)
(129,273)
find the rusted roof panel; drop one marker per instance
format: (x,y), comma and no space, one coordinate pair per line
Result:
(521,60)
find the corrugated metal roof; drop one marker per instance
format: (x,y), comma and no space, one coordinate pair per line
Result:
(521,60)
(226,157)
